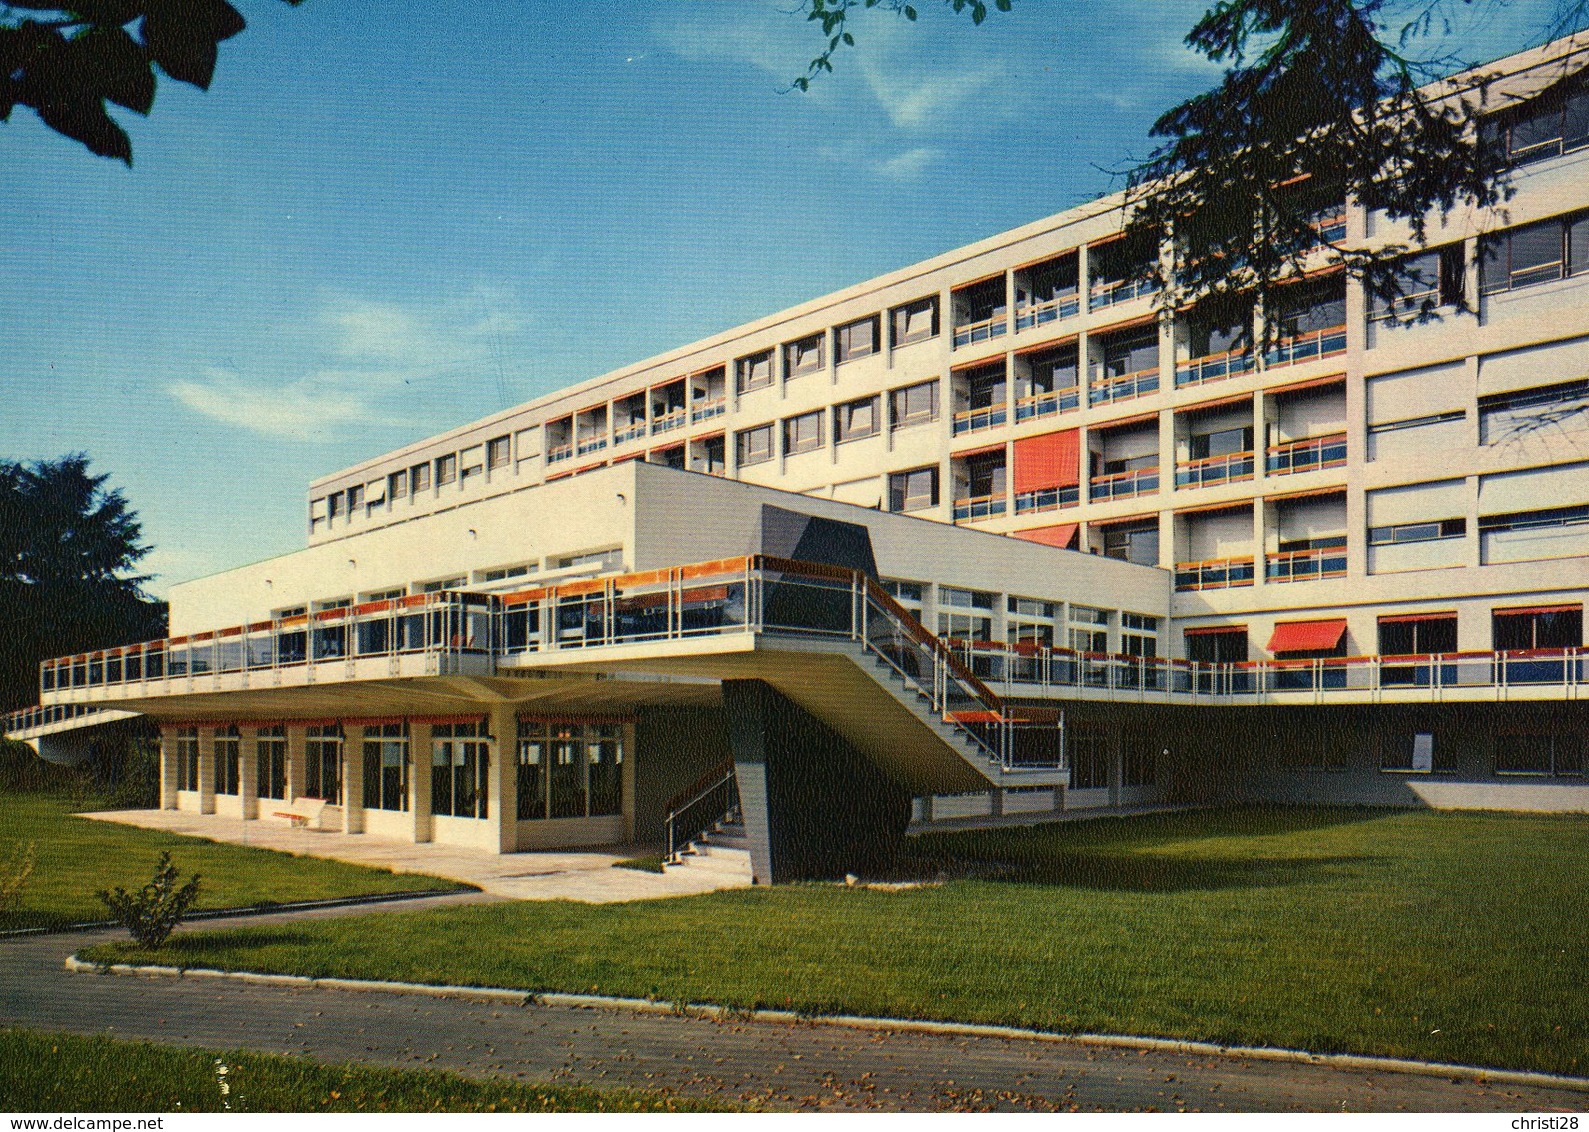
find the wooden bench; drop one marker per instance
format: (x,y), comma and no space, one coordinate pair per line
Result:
(303,813)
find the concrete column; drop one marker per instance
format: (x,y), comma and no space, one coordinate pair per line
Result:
(630,752)
(419,779)
(168,768)
(206,770)
(248,774)
(1059,797)
(296,736)
(996,803)
(353,780)
(1116,760)
(502,806)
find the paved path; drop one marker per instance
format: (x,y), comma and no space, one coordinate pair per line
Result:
(778,1066)
(565,874)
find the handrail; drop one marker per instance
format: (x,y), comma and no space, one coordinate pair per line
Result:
(1312,453)
(715,782)
(1315,344)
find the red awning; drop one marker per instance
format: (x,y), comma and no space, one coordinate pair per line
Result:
(1534,609)
(1307,636)
(1404,618)
(1049,460)
(1062,535)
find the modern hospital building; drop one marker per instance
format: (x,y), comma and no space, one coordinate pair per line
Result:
(997,530)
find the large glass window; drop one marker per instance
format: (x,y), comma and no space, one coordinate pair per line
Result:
(270,761)
(858,339)
(1545,753)
(802,433)
(914,490)
(228,758)
(804,356)
(855,419)
(1417,634)
(569,770)
(1554,627)
(754,372)
(460,770)
(1536,253)
(914,404)
(386,767)
(322,772)
(753,445)
(1088,751)
(186,746)
(965,615)
(915,322)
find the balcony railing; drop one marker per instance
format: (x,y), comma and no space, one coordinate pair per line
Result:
(627,433)
(1047,404)
(1306,455)
(1318,344)
(975,420)
(978,507)
(1103,389)
(1214,574)
(29,718)
(1124,485)
(705,410)
(1051,310)
(1115,291)
(1305,565)
(556,452)
(1331,227)
(591,444)
(1230,468)
(1047,499)
(668,421)
(985,330)
(1214,367)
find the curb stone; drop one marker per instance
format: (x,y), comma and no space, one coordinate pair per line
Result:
(852,1021)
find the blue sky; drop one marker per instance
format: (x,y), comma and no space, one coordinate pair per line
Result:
(377,226)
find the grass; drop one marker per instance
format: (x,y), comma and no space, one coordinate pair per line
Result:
(653,864)
(65,1073)
(1446,937)
(77,856)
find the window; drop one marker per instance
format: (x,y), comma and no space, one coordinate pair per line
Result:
(438,586)
(915,322)
(228,760)
(446,469)
(355,499)
(753,445)
(965,615)
(270,760)
(1139,635)
(317,514)
(460,770)
(1541,753)
(386,767)
(802,433)
(1417,532)
(1217,646)
(1535,253)
(506,572)
(498,452)
(1428,280)
(322,763)
(1133,542)
(1030,621)
(397,485)
(374,496)
(803,357)
(1547,127)
(855,420)
(1089,629)
(1534,520)
(419,477)
(334,506)
(1225,442)
(914,490)
(1312,308)
(908,594)
(1131,353)
(472,462)
(185,745)
(858,339)
(602,559)
(1504,416)
(569,770)
(754,372)
(1552,627)
(913,405)
(1418,422)
(1418,634)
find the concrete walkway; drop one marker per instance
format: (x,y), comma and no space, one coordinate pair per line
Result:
(772,1065)
(583,875)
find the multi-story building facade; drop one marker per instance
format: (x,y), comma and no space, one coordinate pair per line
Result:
(1378,531)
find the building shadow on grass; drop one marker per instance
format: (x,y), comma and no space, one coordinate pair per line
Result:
(1126,872)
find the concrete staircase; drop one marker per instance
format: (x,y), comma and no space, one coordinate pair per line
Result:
(722,851)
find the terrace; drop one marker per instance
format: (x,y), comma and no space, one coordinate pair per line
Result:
(1046,383)
(1048,292)
(1124,365)
(981,312)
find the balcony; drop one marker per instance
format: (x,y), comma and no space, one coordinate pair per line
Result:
(629,432)
(1047,499)
(558,452)
(977,507)
(1307,347)
(1214,574)
(1307,565)
(1115,291)
(668,421)
(1040,314)
(1331,226)
(707,408)
(1124,485)
(1229,468)
(975,420)
(1103,390)
(982,331)
(1040,405)
(1214,367)
(591,444)
(1306,455)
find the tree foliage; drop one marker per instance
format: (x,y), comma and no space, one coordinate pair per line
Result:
(67,60)
(834,17)
(68,549)
(154,911)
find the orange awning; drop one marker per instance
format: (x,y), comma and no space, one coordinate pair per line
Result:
(1062,535)
(1052,459)
(1307,636)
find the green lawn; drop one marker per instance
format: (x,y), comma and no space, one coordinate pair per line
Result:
(1451,937)
(64,1073)
(76,857)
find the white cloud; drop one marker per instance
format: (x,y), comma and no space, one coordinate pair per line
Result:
(302,408)
(915,99)
(908,166)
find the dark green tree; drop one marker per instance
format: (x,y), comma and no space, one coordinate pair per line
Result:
(68,551)
(67,60)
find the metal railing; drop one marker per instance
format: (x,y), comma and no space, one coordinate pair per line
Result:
(557,452)
(974,420)
(1214,574)
(1047,499)
(1210,470)
(1318,344)
(668,421)
(1050,310)
(1112,292)
(1102,389)
(1305,565)
(591,444)
(978,507)
(705,410)
(1124,485)
(1047,404)
(1306,455)
(42,716)
(984,330)
(629,432)
(1214,367)
(710,802)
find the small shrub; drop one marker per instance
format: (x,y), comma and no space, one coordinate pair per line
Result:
(14,878)
(154,911)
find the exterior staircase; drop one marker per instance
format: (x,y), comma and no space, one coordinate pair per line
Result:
(723,849)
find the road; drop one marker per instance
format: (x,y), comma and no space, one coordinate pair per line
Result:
(781,1066)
